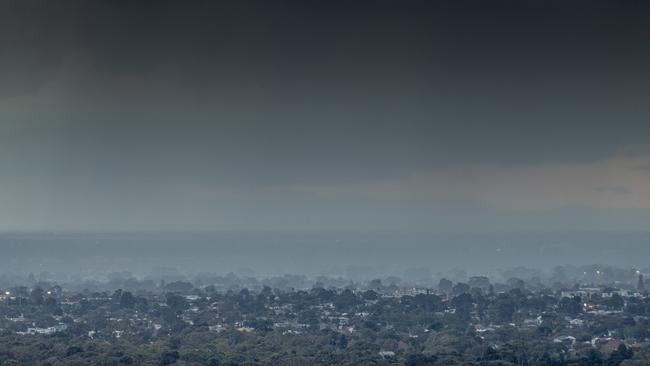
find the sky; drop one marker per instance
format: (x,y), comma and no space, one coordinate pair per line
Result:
(378,115)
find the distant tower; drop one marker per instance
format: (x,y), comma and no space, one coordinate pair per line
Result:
(640,285)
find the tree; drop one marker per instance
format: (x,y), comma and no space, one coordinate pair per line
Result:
(588,357)
(516,283)
(460,288)
(481,282)
(419,359)
(445,286)
(37,296)
(428,302)
(570,306)
(464,304)
(448,343)
(342,341)
(502,309)
(615,302)
(176,303)
(370,295)
(127,300)
(345,300)
(375,285)
(169,358)
(621,354)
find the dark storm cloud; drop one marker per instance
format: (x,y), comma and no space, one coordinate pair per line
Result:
(123,104)
(291,41)
(367,44)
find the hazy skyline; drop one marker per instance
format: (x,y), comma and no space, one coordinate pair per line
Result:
(324,115)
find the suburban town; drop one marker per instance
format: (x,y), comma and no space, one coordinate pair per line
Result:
(324,182)
(231,320)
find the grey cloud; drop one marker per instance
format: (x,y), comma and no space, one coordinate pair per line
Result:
(152,106)
(612,189)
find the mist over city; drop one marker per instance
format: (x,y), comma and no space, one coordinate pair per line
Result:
(324,182)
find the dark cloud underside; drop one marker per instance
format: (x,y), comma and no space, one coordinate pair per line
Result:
(119,104)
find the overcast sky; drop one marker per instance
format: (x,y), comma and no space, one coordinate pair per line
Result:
(324,115)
